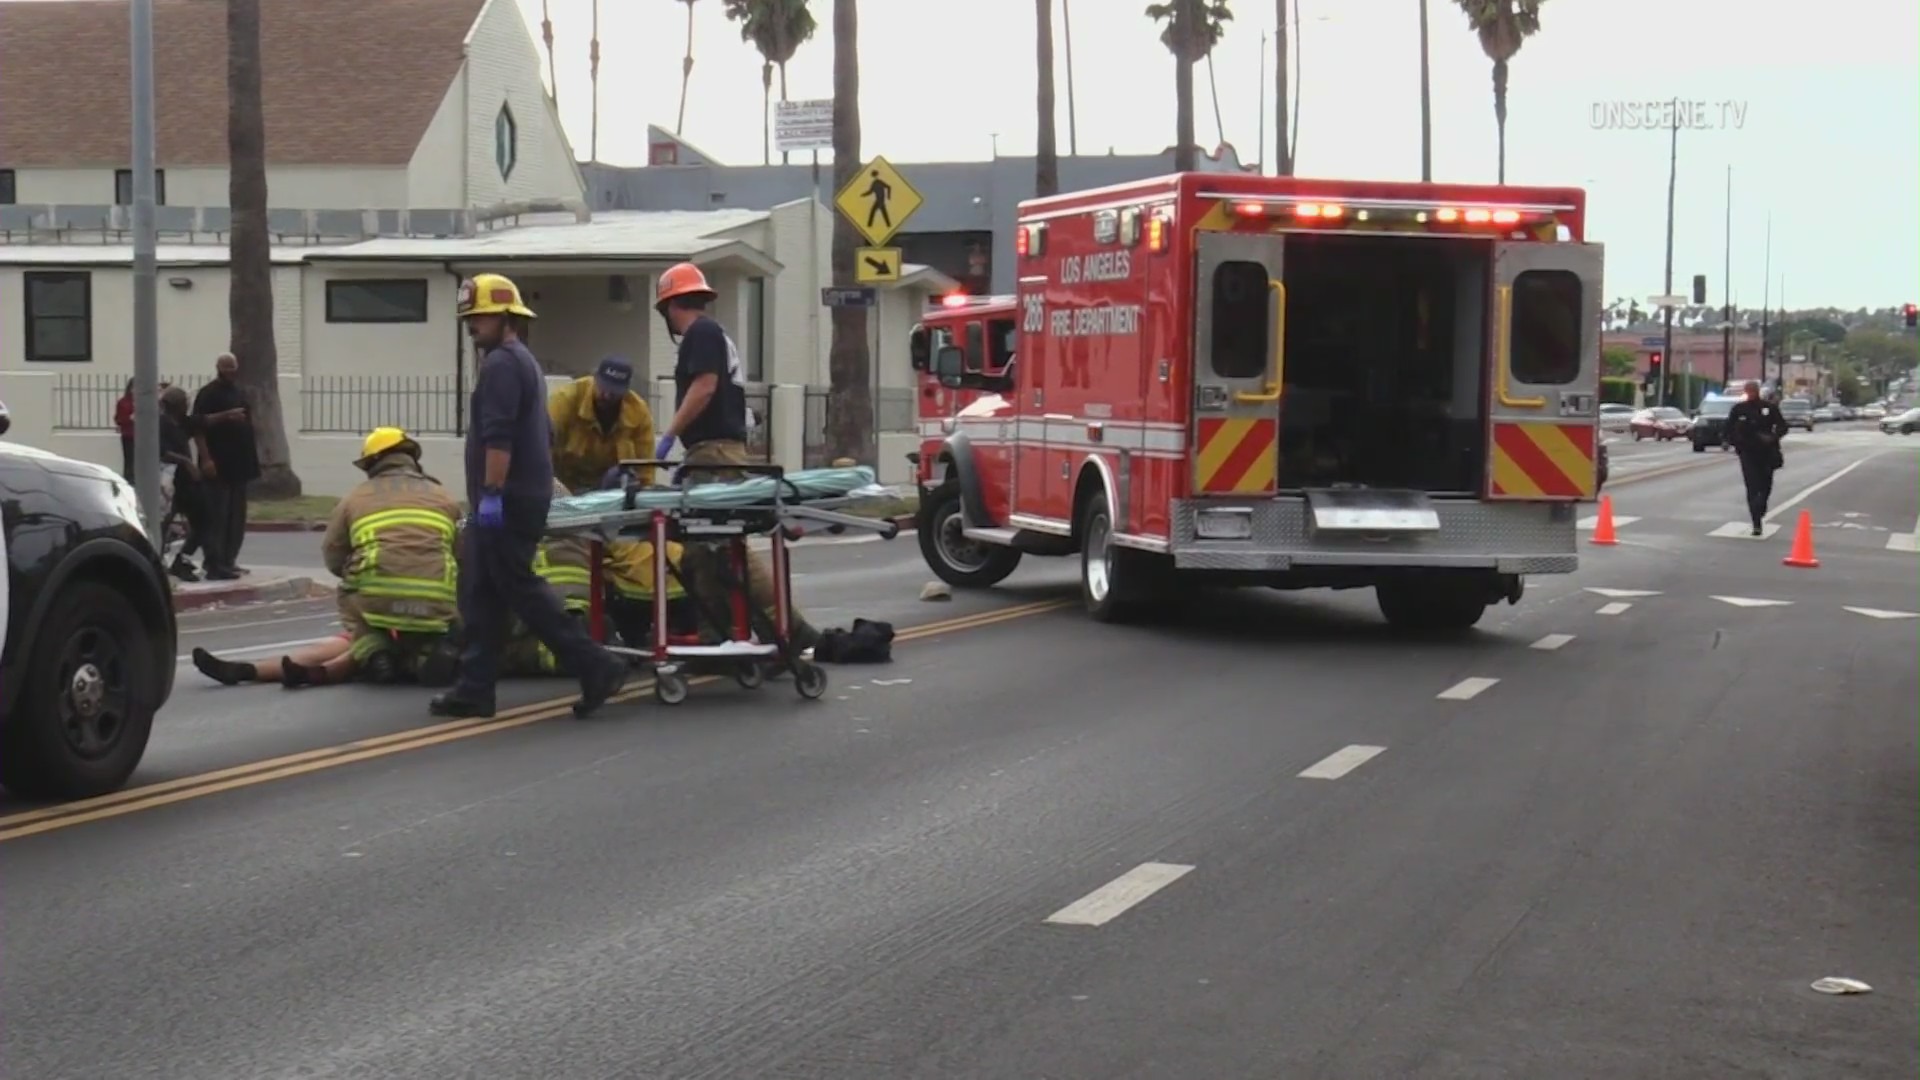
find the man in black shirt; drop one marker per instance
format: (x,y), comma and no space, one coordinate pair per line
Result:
(509,492)
(229,461)
(1754,429)
(710,418)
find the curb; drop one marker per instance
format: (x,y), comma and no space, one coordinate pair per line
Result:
(295,588)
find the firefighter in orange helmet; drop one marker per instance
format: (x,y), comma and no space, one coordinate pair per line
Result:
(710,417)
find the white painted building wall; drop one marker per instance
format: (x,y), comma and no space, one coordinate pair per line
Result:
(289,187)
(503,67)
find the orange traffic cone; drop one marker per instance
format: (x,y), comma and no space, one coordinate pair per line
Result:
(1603,527)
(1802,553)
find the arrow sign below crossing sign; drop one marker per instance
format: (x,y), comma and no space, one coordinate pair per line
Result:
(876,265)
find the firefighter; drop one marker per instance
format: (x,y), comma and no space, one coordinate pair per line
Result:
(509,467)
(1755,427)
(598,421)
(710,418)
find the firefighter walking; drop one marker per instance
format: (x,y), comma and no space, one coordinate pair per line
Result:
(710,420)
(509,468)
(1755,427)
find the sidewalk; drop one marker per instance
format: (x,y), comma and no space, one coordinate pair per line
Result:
(263,585)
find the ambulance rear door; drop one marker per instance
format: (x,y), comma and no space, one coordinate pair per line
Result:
(1543,393)
(1239,363)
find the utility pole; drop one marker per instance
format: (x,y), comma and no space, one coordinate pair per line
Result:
(1262,98)
(146,324)
(1766,297)
(1666,310)
(1073,115)
(1726,293)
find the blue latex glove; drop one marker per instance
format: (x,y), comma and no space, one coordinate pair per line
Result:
(614,479)
(664,447)
(490,514)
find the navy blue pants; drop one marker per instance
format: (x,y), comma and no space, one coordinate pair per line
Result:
(497,583)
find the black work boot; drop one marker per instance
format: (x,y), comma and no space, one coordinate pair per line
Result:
(224,672)
(604,681)
(456,705)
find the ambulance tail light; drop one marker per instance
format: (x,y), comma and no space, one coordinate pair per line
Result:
(1030,241)
(1158,230)
(954,300)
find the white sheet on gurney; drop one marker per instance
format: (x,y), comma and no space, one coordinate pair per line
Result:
(812,484)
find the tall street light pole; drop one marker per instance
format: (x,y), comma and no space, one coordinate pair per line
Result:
(1666,310)
(146,328)
(1726,294)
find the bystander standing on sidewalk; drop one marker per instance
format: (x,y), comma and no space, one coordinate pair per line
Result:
(123,421)
(229,461)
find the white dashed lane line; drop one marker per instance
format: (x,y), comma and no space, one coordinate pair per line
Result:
(1341,762)
(1618,607)
(1551,642)
(1467,689)
(1110,901)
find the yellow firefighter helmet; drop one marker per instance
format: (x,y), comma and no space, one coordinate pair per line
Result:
(382,441)
(491,294)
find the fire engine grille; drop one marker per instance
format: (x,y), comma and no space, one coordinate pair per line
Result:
(1513,538)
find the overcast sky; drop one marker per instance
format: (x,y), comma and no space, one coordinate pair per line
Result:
(1816,109)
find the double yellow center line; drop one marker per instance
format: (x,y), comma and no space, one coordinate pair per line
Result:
(152,796)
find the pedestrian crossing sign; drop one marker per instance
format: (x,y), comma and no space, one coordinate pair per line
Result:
(878,201)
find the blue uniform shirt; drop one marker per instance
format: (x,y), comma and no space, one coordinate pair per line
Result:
(508,411)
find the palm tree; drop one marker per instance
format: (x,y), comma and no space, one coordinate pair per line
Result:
(249,256)
(546,35)
(1192,29)
(1503,26)
(686,70)
(1282,147)
(1426,101)
(849,398)
(777,29)
(1046,157)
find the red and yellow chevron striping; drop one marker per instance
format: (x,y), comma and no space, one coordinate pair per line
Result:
(1543,461)
(1236,457)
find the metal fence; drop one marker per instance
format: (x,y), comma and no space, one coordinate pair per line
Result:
(84,400)
(356,404)
(760,435)
(895,410)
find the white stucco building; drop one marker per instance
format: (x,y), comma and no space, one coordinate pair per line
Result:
(386,190)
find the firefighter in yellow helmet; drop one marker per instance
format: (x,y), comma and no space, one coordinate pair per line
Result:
(509,466)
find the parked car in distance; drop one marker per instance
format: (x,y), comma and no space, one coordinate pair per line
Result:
(1904,424)
(1615,417)
(1873,412)
(87,630)
(1798,412)
(1662,423)
(1709,426)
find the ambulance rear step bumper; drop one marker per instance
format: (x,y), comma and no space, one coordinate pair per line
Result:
(1373,529)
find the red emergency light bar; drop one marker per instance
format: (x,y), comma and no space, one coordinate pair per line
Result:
(953,300)
(1337,211)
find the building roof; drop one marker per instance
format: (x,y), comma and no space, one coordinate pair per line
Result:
(55,256)
(346,82)
(629,235)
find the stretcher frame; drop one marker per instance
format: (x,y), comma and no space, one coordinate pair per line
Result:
(745,650)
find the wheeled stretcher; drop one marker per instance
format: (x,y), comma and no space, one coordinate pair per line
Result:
(771,502)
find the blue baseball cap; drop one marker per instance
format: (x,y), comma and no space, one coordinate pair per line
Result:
(614,375)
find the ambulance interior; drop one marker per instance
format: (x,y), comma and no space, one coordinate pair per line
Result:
(1384,379)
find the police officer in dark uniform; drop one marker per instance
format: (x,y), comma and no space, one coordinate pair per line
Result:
(1754,429)
(510,489)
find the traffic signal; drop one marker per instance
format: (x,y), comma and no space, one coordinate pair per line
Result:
(1656,363)
(1913,316)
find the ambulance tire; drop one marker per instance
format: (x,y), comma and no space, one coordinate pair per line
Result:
(1430,606)
(1117,584)
(953,558)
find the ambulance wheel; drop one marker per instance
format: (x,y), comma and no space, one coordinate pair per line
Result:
(1116,583)
(1430,605)
(749,676)
(954,559)
(670,689)
(810,680)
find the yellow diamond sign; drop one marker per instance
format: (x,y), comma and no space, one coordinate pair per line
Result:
(878,201)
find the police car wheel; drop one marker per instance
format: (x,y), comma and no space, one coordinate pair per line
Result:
(954,559)
(86,705)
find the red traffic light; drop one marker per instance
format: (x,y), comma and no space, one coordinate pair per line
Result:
(1913,315)
(1654,358)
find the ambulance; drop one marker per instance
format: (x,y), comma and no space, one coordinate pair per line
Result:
(1229,379)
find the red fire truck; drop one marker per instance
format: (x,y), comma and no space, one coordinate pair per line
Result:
(978,325)
(1281,382)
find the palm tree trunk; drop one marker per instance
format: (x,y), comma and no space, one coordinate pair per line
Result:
(1426,101)
(1500,112)
(783,96)
(250,289)
(546,34)
(686,74)
(1213,88)
(1282,151)
(766,114)
(1046,158)
(850,398)
(1183,157)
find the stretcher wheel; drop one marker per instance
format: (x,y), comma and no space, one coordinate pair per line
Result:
(810,680)
(749,676)
(670,689)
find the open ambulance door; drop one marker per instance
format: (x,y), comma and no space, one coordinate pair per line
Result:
(1543,390)
(1239,363)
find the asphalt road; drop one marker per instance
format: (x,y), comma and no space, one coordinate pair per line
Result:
(1614,833)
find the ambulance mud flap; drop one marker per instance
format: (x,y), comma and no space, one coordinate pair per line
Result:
(973,505)
(1369,513)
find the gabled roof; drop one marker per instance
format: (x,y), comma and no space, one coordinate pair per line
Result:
(638,236)
(346,82)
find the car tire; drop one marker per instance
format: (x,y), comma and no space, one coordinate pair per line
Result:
(1699,448)
(962,563)
(87,699)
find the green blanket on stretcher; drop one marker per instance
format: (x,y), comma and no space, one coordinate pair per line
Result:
(812,485)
